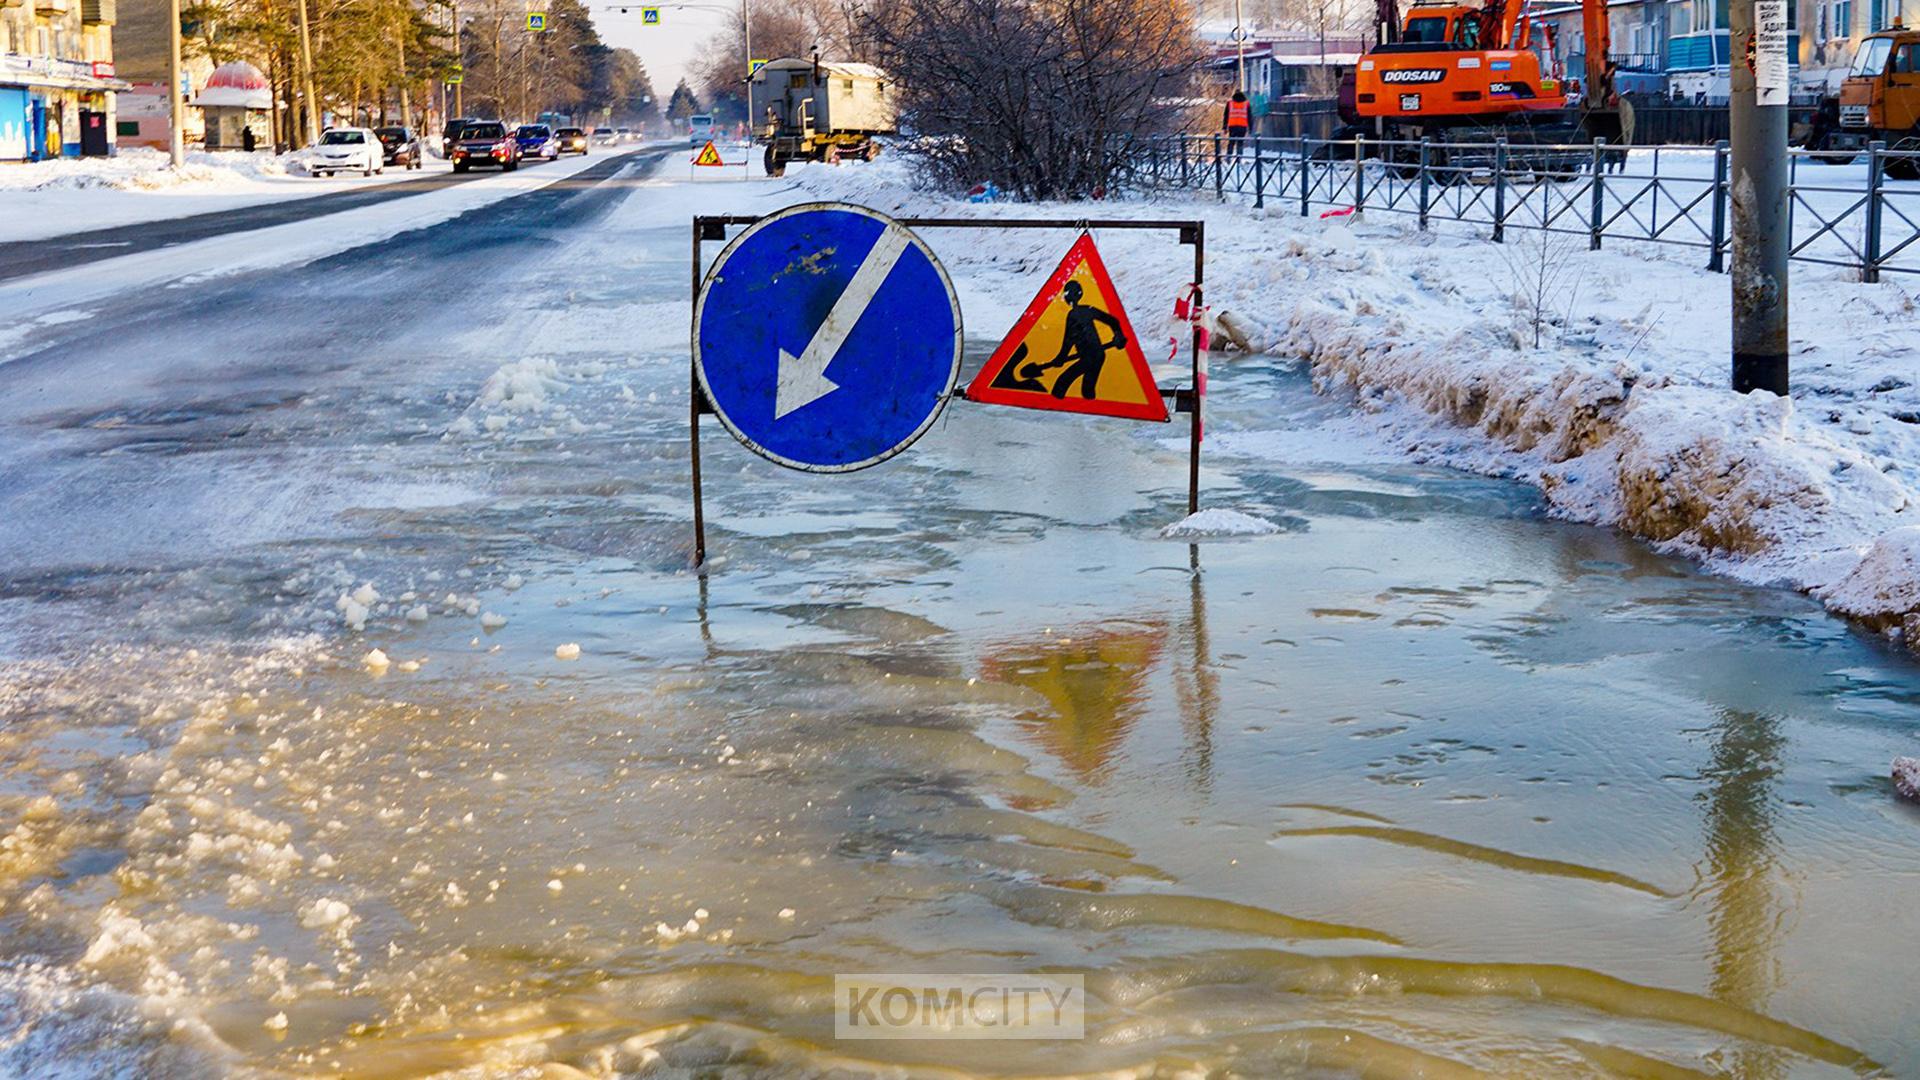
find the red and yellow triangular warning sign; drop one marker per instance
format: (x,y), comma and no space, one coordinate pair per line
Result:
(708,155)
(1060,354)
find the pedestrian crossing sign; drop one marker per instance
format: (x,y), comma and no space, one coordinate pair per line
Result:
(708,155)
(1073,350)
(536,22)
(649,16)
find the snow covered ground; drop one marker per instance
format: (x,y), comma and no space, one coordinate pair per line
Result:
(1620,413)
(51,198)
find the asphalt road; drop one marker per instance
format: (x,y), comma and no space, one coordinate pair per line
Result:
(270,392)
(24,257)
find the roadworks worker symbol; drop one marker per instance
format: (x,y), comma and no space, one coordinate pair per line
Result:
(1073,349)
(708,155)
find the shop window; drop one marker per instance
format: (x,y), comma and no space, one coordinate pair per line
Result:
(127,129)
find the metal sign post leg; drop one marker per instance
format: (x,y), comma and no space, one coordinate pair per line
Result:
(693,426)
(1199,387)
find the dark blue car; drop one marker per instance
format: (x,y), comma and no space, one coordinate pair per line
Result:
(537,141)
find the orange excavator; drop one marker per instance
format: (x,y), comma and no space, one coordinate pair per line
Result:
(1466,73)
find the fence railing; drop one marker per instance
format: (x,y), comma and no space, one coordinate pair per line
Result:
(1839,216)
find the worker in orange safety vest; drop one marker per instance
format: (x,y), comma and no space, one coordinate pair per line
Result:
(1238,119)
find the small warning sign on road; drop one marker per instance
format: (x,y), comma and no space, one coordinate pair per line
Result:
(708,155)
(1073,350)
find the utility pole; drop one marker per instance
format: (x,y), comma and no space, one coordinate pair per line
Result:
(1758,118)
(746,25)
(307,104)
(177,113)
(1240,42)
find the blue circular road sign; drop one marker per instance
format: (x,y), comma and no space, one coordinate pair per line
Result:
(827,337)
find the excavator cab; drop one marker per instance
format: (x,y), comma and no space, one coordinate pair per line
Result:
(1468,73)
(1455,64)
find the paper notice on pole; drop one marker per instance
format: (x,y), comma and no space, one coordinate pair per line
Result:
(1770,52)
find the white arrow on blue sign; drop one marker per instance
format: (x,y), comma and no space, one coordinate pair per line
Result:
(827,337)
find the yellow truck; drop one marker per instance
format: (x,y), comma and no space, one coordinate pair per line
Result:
(814,110)
(1880,98)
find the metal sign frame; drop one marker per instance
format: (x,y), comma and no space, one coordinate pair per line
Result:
(713,227)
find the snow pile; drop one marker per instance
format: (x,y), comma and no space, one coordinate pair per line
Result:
(520,395)
(143,169)
(1218,523)
(1883,590)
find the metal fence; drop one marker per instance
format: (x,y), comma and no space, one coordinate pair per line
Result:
(1840,214)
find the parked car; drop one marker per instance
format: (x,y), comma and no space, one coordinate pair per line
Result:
(347,150)
(571,140)
(485,143)
(605,137)
(537,141)
(401,146)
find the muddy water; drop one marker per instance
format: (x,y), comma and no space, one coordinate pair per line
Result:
(1422,785)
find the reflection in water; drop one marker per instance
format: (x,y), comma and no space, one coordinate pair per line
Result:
(1198,687)
(1746,914)
(1095,680)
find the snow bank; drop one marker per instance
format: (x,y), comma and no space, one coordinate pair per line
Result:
(143,169)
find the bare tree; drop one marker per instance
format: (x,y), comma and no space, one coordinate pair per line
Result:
(1546,284)
(790,28)
(1044,98)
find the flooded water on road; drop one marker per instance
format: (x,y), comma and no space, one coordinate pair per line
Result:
(1422,784)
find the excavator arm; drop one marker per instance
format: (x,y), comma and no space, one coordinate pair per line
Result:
(1599,74)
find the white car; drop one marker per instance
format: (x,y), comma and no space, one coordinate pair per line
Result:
(347,149)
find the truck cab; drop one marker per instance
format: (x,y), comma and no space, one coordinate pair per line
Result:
(1880,98)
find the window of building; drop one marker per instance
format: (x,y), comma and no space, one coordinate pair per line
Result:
(1842,13)
(127,129)
(1882,14)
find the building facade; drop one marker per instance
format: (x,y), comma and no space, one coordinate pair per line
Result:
(57,81)
(1682,48)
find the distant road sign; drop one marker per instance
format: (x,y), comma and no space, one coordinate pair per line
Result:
(536,22)
(456,79)
(755,65)
(649,16)
(827,337)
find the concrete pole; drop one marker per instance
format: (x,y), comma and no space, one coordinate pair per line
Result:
(177,112)
(309,108)
(1758,195)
